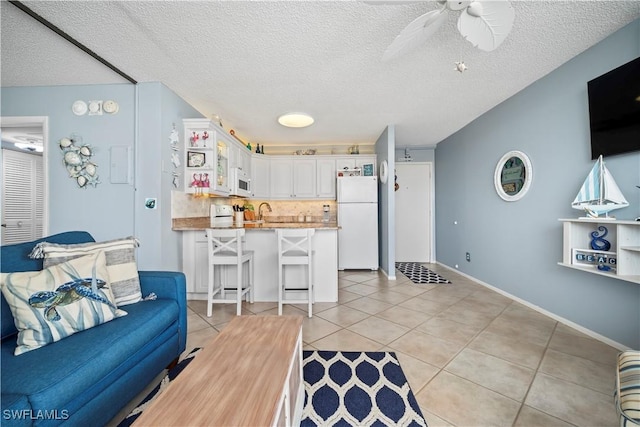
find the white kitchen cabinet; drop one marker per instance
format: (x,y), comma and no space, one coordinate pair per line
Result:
(293,178)
(281,178)
(355,161)
(326,178)
(239,156)
(206,158)
(344,163)
(195,261)
(234,156)
(304,178)
(260,179)
(244,161)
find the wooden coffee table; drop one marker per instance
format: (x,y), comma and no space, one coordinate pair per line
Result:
(248,375)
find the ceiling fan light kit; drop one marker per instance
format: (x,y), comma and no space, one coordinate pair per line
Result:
(484,23)
(455,5)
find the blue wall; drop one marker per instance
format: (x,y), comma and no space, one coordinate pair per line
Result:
(160,109)
(106,210)
(385,146)
(143,123)
(515,246)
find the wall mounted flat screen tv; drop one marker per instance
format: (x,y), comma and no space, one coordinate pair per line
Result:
(614,111)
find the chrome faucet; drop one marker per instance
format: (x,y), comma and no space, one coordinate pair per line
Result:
(260,209)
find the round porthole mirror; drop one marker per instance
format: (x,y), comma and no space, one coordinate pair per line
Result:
(513,176)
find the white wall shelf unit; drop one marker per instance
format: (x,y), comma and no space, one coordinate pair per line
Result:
(206,161)
(622,258)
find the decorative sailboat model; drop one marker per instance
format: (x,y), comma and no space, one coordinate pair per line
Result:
(599,193)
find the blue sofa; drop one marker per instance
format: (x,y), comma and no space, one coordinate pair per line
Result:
(87,378)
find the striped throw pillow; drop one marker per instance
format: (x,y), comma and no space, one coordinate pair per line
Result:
(121,263)
(628,388)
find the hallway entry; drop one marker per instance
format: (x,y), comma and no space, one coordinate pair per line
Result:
(414,237)
(24,185)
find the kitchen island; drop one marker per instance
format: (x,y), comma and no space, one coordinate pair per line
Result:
(261,238)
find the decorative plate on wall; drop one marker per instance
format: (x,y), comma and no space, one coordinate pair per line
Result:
(384,171)
(79,108)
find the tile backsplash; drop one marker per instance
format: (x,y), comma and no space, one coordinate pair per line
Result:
(185,205)
(293,208)
(188,206)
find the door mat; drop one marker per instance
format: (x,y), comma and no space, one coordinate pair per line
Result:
(353,388)
(418,274)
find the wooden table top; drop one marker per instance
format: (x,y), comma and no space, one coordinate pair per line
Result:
(235,380)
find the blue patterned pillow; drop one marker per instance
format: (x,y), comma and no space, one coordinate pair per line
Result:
(59,301)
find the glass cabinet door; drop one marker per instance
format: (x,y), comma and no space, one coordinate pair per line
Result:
(222,166)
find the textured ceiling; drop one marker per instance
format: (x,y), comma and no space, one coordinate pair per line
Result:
(250,61)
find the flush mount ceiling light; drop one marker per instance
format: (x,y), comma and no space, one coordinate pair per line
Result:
(295,120)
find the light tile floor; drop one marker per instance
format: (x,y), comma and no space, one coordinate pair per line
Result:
(472,357)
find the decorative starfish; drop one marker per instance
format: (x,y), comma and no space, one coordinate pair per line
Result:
(460,67)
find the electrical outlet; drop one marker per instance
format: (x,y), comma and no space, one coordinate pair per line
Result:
(468,257)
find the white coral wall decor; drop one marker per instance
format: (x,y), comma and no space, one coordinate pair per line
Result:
(76,157)
(174,139)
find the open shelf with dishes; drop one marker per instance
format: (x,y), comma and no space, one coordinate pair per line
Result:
(606,247)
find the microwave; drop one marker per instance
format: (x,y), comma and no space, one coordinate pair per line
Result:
(240,183)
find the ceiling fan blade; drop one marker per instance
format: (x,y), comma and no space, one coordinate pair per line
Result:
(488,30)
(416,33)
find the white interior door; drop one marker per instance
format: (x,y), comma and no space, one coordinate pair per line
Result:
(22,197)
(414,239)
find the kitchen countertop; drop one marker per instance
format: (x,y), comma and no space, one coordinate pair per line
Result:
(202,223)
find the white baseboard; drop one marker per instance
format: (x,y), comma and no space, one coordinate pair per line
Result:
(541,310)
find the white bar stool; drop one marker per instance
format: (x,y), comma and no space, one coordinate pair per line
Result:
(225,248)
(294,248)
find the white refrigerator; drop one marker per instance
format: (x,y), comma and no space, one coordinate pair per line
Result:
(357,198)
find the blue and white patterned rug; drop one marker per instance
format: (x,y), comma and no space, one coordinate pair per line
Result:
(171,375)
(357,389)
(345,388)
(419,274)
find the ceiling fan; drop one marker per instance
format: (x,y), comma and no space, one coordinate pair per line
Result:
(484,23)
